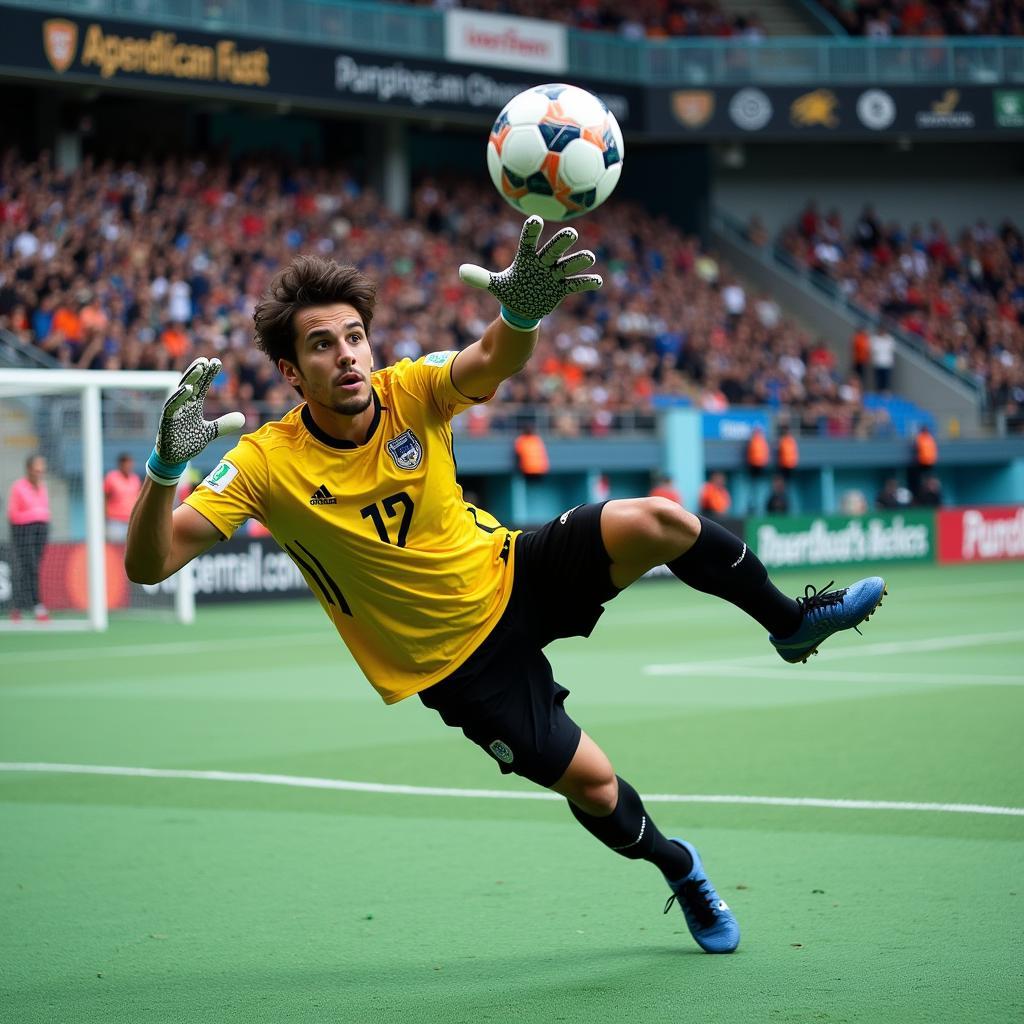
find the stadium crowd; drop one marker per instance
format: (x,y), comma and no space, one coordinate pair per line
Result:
(632,19)
(963,296)
(146,265)
(882,19)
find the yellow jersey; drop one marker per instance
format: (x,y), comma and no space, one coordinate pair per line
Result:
(412,577)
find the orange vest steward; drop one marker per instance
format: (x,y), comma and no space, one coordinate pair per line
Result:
(714,499)
(532,455)
(757,450)
(789,454)
(666,491)
(927,450)
(861,348)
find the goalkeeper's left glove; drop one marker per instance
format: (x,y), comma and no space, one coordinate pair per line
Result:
(183,432)
(538,279)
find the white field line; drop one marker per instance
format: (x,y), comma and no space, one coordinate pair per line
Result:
(938,643)
(275,640)
(1003,587)
(172,647)
(301,782)
(783,673)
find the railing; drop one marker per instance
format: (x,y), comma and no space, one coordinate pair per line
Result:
(13,352)
(128,417)
(406,31)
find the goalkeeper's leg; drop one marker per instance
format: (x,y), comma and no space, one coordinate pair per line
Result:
(644,532)
(641,533)
(611,810)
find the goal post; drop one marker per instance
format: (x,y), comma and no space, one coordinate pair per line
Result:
(77,419)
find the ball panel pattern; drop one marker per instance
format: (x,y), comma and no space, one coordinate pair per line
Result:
(555,150)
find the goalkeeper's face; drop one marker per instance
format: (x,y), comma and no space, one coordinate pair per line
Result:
(333,360)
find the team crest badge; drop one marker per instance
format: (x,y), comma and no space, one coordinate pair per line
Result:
(60,42)
(693,107)
(406,450)
(501,751)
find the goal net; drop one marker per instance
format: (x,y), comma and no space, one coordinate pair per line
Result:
(83,436)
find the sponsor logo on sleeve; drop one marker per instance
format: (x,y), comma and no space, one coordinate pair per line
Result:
(876,109)
(750,109)
(219,479)
(437,358)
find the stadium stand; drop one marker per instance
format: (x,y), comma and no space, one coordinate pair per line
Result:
(964,297)
(881,19)
(163,260)
(632,19)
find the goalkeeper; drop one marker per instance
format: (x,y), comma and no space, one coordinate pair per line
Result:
(432,595)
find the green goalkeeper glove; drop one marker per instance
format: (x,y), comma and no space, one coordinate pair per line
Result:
(183,432)
(538,279)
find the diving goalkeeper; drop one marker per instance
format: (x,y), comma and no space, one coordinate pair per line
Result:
(432,595)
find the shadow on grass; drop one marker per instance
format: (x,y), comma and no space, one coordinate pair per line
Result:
(609,983)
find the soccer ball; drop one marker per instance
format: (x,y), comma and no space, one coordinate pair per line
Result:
(555,150)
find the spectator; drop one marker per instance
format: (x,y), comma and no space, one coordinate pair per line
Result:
(788,452)
(631,19)
(202,238)
(778,500)
(853,503)
(715,499)
(531,454)
(924,457)
(665,488)
(886,18)
(758,453)
(929,493)
(893,495)
(121,487)
(883,355)
(861,355)
(28,511)
(963,300)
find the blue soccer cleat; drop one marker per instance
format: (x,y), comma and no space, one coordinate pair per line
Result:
(708,916)
(827,612)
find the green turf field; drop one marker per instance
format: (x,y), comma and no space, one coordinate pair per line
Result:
(127,898)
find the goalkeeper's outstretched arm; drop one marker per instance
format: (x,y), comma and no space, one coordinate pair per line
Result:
(535,283)
(161,539)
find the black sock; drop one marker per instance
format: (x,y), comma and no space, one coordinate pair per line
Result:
(720,563)
(629,831)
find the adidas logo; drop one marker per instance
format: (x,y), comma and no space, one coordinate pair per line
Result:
(322,496)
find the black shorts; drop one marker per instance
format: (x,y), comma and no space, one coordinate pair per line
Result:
(504,697)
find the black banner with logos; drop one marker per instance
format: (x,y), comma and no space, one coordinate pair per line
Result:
(119,55)
(842,112)
(240,569)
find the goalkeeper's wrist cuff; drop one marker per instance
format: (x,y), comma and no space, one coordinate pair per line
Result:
(517,322)
(166,474)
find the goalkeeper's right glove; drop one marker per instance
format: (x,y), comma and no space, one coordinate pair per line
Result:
(183,432)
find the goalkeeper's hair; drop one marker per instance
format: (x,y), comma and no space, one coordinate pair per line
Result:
(308,281)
